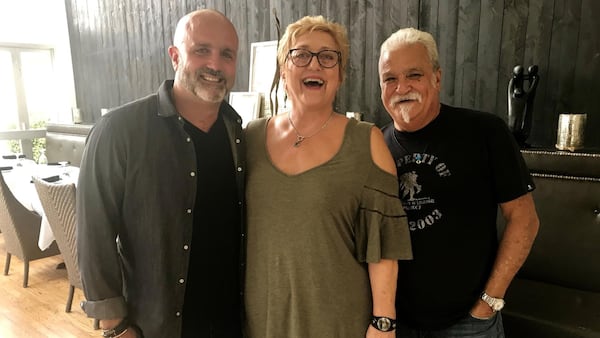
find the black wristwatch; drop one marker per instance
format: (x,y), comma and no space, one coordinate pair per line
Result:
(383,324)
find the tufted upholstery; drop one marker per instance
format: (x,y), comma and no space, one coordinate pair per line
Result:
(65,142)
(557,291)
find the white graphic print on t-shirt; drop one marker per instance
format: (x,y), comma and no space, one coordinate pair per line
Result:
(411,189)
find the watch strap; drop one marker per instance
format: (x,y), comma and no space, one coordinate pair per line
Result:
(384,324)
(116,331)
(495,303)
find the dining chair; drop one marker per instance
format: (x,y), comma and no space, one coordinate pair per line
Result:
(21,230)
(58,202)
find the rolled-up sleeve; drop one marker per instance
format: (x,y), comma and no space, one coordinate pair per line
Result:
(99,201)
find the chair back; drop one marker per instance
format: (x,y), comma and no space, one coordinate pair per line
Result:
(58,201)
(20,226)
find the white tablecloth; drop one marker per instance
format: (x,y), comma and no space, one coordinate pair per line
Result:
(19,181)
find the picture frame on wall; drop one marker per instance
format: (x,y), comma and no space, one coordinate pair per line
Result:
(247,104)
(263,64)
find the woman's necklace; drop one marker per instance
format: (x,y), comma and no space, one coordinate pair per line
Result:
(300,138)
(418,156)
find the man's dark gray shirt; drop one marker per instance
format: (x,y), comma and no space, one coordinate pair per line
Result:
(135,202)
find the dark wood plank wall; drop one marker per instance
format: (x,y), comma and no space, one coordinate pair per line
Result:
(119,50)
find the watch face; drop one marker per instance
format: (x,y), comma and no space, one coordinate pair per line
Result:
(495,303)
(498,305)
(383,324)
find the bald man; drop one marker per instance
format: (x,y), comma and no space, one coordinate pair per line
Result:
(160,198)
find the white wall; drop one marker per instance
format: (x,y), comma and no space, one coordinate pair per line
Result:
(43,23)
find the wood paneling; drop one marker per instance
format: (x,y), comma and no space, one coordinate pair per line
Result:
(586,83)
(537,46)
(446,39)
(487,72)
(120,50)
(467,41)
(565,30)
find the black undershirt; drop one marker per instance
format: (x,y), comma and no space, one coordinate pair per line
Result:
(212,305)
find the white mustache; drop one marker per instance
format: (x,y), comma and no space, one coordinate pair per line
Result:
(410,96)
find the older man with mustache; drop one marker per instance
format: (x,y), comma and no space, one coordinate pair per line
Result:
(455,167)
(160,198)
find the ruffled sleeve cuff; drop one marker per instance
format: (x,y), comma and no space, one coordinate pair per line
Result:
(382,228)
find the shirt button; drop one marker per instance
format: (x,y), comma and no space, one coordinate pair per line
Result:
(188,139)
(239,169)
(179,118)
(237,140)
(192,174)
(189,211)
(185,247)
(181,280)
(177,314)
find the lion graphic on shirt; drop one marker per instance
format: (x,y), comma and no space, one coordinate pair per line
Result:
(409,185)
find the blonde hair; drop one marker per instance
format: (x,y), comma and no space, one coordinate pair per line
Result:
(309,24)
(411,36)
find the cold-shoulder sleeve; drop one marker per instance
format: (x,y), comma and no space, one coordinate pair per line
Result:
(382,228)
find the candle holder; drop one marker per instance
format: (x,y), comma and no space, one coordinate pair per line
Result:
(571,131)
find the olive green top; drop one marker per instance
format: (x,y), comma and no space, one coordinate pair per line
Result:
(311,234)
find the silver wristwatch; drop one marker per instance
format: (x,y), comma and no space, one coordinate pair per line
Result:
(495,303)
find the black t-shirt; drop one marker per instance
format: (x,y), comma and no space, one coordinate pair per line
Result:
(452,174)
(212,305)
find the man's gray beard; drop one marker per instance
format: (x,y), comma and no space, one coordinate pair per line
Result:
(201,91)
(207,95)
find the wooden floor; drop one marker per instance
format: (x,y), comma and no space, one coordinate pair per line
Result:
(38,311)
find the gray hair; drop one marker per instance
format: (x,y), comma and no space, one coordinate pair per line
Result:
(411,35)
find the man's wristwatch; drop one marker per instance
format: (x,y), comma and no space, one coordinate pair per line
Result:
(495,303)
(383,324)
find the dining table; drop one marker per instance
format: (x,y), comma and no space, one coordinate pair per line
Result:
(18,175)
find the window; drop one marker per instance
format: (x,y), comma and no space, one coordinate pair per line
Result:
(27,89)
(8,94)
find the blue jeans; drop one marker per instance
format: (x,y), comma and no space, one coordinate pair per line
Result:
(468,327)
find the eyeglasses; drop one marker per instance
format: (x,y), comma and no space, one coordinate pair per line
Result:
(302,57)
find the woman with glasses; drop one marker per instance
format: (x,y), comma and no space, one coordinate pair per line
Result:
(325,225)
